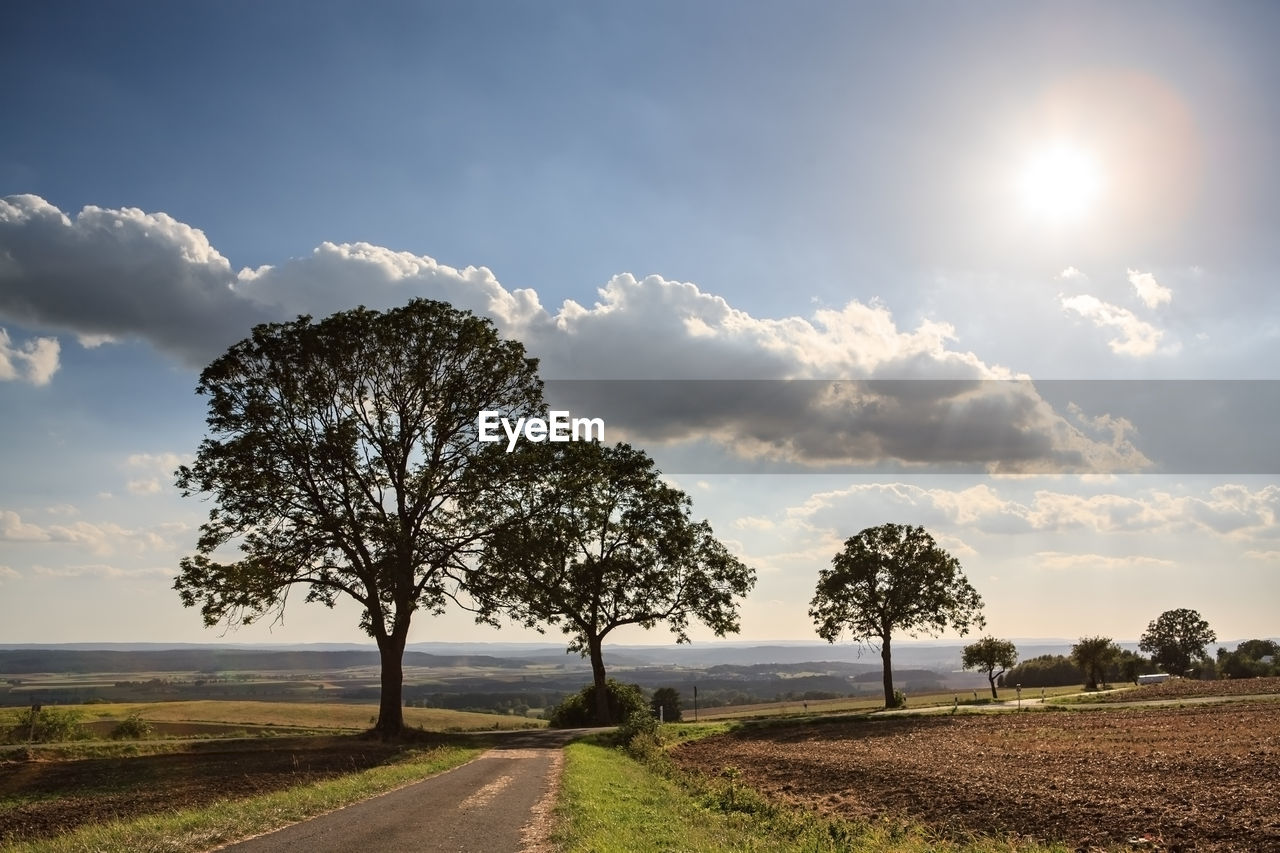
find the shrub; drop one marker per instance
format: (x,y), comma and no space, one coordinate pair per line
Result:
(132,727)
(45,726)
(899,699)
(579,709)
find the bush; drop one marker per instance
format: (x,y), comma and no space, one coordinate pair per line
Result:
(899,699)
(45,726)
(132,727)
(579,709)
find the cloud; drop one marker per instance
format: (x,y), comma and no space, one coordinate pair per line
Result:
(102,570)
(8,574)
(1152,293)
(125,273)
(1137,337)
(156,471)
(1229,510)
(119,274)
(1057,560)
(34,361)
(100,538)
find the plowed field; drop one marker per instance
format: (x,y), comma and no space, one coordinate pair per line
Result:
(1201,778)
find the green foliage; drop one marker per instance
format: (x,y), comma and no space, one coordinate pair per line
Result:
(594,540)
(579,709)
(1245,661)
(1177,639)
(1044,671)
(668,699)
(899,699)
(893,578)
(340,456)
(989,654)
(48,725)
(132,727)
(1094,656)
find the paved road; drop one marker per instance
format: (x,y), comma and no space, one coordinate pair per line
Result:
(497,803)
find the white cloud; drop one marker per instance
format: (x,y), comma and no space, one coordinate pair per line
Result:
(156,470)
(1229,510)
(1057,560)
(8,574)
(126,273)
(1137,337)
(101,570)
(1265,556)
(1152,293)
(100,538)
(34,361)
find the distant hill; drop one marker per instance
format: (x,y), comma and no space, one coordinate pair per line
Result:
(196,659)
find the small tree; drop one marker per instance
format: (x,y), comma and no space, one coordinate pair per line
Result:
(340,458)
(668,700)
(1177,639)
(1094,655)
(592,540)
(893,578)
(989,654)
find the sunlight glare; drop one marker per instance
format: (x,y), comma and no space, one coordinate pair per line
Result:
(1060,184)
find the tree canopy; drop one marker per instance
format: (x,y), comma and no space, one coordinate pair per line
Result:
(340,459)
(893,578)
(1176,639)
(988,655)
(593,540)
(1094,655)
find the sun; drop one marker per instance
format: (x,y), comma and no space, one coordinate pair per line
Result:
(1060,184)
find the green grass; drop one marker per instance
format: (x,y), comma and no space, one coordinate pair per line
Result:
(867,704)
(228,820)
(309,715)
(611,803)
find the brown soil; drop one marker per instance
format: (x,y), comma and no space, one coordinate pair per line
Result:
(57,796)
(1184,688)
(1201,778)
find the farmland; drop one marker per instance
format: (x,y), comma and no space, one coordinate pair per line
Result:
(1199,776)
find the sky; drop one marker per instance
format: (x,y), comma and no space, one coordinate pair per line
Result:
(1065,214)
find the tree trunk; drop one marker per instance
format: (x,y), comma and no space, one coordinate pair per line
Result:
(391,704)
(595,650)
(992,678)
(887,661)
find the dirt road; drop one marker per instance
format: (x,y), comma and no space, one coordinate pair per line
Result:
(498,803)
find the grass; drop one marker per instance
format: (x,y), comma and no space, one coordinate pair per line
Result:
(611,803)
(228,820)
(308,715)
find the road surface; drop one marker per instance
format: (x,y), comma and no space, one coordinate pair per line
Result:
(498,803)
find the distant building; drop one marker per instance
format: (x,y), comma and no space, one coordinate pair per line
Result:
(1153,678)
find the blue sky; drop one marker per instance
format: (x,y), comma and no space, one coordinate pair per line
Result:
(667,191)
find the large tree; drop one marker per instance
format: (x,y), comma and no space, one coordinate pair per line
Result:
(988,655)
(1094,655)
(340,457)
(888,579)
(1176,639)
(591,539)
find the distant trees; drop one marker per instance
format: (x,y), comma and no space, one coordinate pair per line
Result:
(1176,639)
(593,540)
(1094,655)
(666,699)
(1246,661)
(1044,671)
(989,654)
(893,578)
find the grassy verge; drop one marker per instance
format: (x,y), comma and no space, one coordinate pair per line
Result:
(229,820)
(612,803)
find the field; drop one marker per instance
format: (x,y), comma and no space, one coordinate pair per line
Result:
(1180,688)
(794,707)
(1180,778)
(335,715)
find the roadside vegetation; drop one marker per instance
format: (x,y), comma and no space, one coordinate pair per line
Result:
(617,799)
